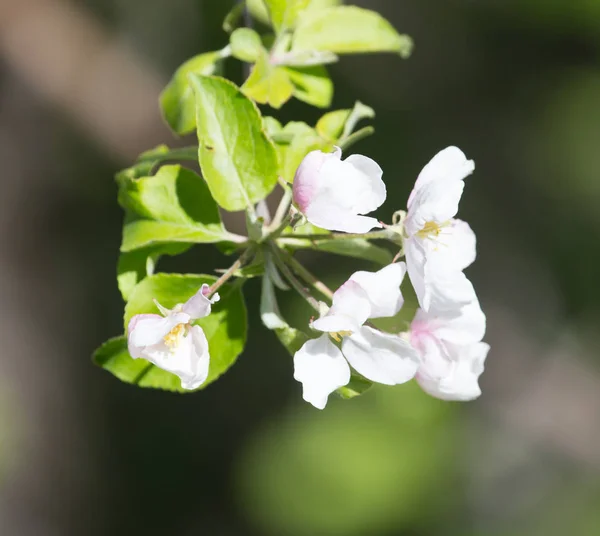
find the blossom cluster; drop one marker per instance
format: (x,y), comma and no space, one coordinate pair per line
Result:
(442,349)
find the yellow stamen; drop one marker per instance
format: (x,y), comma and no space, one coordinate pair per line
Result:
(337,335)
(174,336)
(430,228)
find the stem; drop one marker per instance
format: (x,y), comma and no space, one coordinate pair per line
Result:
(355,137)
(296,284)
(373,235)
(299,268)
(231,271)
(284,206)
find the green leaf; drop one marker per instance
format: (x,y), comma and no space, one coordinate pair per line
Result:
(234,17)
(312,85)
(245,45)
(357,248)
(284,13)
(259,11)
(357,386)
(268,84)
(347,30)
(272,126)
(177,99)
(225,330)
(237,158)
(339,124)
(172,206)
(331,125)
(134,266)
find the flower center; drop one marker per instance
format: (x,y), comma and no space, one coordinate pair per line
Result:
(173,338)
(430,229)
(337,335)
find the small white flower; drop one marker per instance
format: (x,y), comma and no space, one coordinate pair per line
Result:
(452,354)
(437,245)
(322,367)
(335,194)
(171,342)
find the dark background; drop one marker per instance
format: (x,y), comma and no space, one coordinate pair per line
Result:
(514,83)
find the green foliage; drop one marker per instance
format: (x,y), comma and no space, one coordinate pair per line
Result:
(177,99)
(245,45)
(347,30)
(172,206)
(242,155)
(312,85)
(134,266)
(284,13)
(225,330)
(268,84)
(238,161)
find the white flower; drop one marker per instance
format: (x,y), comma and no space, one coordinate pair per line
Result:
(437,245)
(334,194)
(322,367)
(171,342)
(452,354)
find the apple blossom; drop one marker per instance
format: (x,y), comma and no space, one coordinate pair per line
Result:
(322,367)
(171,342)
(335,194)
(437,246)
(452,354)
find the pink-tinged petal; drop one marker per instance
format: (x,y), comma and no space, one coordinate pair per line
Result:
(466,326)
(450,164)
(321,368)
(383,289)
(381,357)
(324,213)
(150,329)
(335,194)
(199,306)
(350,309)
(307,181)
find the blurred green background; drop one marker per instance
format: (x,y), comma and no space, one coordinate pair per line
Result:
(514,83)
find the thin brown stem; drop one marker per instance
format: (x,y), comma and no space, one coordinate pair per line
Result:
(243,258)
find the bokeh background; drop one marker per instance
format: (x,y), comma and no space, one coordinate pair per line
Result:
(514,83)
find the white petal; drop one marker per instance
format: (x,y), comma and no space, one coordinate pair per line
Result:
(447,165)
(381,357)
(437,202)
(189,359)
(350,309)
(383,289)
(369,188)
(458,378)
(446,287)
(146,330)
(457,243)
(321,368)
(198,306)
(466,326)
(269,309)
(325,213)
(415,264)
